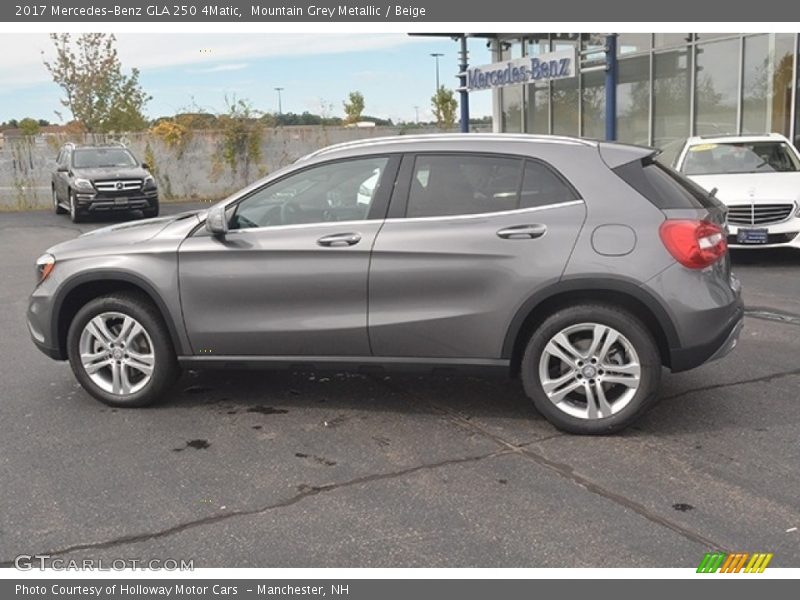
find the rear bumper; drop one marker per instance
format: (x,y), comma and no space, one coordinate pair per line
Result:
(683,359)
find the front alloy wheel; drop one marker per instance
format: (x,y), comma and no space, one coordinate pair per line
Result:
(117,353)
(120,350)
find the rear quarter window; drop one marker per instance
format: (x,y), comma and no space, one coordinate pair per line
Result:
(664,187)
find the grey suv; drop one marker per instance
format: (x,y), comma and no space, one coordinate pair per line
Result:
(101,178)
(582,267)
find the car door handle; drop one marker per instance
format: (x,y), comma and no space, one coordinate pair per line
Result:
(339,239)
(523,232)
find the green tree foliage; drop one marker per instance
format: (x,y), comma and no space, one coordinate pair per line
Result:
(242,130)
(444,107)
(97,92)
(29,126)
(354,107)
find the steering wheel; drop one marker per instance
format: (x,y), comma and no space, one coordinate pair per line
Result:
(289,213)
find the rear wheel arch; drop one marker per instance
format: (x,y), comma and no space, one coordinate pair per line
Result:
(619,293)
(83,289)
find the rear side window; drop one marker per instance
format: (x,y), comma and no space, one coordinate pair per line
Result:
(445,185)
(542,186)
(664,187)
(448,185)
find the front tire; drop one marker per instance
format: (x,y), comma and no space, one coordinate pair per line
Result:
(150,212)
(59,210)
(591,369)
(74,212)
(120,350)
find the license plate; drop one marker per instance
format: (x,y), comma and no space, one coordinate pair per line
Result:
(121,201)
(751,236)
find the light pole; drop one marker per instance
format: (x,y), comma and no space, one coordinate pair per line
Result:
(436,56)
(416,112)
(279,90)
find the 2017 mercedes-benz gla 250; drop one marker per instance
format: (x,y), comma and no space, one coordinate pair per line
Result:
(582,267)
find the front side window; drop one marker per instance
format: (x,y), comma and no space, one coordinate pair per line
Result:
(445,185)
(739,157)
(93,158)
(340,191)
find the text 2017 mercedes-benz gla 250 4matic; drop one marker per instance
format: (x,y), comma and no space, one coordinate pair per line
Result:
(582,267)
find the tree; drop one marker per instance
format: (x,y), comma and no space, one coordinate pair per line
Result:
(97,92)
(29,126)
(242,130)
(444,106)
(354,108)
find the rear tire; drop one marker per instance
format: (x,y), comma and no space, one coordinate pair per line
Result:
(591,369)
(120,350)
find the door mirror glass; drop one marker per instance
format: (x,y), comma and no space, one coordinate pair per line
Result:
(217,220)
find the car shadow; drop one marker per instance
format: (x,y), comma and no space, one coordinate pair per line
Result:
(765,258)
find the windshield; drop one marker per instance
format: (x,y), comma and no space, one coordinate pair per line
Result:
(89,158)
(740,157)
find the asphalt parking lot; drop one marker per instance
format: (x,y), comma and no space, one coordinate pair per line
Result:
(300,470)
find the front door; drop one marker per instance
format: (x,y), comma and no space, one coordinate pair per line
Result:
(290,277)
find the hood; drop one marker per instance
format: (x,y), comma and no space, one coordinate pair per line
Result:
(122,236)
(111,173)
(758,188)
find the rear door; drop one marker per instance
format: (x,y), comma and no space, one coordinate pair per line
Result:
(470,237)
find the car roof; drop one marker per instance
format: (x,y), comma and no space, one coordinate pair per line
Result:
(75,146)
(733,138)
(441,141)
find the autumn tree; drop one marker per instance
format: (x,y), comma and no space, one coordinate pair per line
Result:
(444,106)
(29,126)
(96,90)
(354,107)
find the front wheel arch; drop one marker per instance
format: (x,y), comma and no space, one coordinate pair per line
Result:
(85,288)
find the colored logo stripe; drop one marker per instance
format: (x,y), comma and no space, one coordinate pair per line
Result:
(734,563)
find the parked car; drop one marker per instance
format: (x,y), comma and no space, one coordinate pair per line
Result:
(101,178)
(581,267)
(757,177)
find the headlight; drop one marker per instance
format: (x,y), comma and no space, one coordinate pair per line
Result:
(44,266)
(149,181)
(84,184)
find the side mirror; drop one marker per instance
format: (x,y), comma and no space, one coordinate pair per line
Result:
(145,166)
(216,220)
(62,169)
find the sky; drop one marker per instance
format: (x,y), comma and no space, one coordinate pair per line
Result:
(191,71)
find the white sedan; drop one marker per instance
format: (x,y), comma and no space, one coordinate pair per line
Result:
(757,177)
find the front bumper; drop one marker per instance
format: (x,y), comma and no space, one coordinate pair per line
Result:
(100,202)
(779,235)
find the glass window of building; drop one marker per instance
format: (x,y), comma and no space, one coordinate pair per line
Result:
(511,96)
(628,43)
(717,87)
(565,97)
(666,40)
(537,108)
(633,100)
(767,83)
(671,97)
(593,107)
(712,36)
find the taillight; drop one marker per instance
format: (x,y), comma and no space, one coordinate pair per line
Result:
(694,244)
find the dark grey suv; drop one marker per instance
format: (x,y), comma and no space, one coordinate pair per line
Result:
(100,178)
(582,267)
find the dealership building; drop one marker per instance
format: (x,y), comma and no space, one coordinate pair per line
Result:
(664,86)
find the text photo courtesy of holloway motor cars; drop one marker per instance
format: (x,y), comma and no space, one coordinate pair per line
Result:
(373,295)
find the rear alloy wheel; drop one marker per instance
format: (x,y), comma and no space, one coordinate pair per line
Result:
(74,213)
(120,351)
(591,369)
(59,210)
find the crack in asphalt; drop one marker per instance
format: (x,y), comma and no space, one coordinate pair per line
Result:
(768,314)
(716,386)
(569,473)
(308,492)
